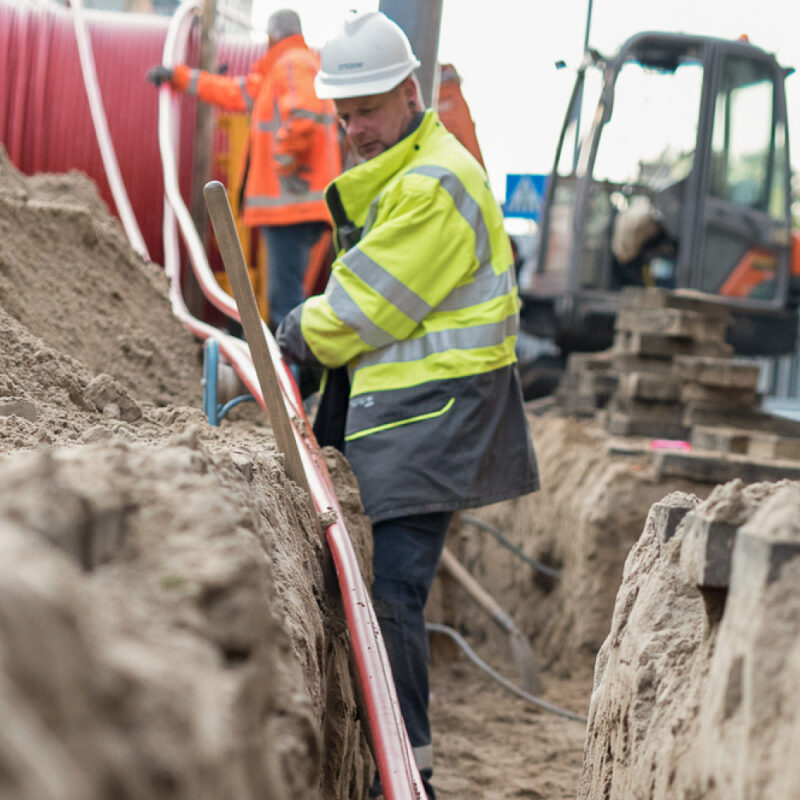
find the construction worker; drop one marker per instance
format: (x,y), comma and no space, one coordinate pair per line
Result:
(421,309)
(293,149)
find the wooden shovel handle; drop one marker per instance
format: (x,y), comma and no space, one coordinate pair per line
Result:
(219,210)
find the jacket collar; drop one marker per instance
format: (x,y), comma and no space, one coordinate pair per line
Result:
(360,185)
(266,62)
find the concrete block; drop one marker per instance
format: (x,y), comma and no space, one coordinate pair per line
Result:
(721,468)
(618,424)
(651,344)
(638,298)
(727,440)
(626,448)
(707,550)
(568,382)
(599,383)
(646,410)
(751,420)
(626,363)
(672,322)
(771,445)
(649,386)
(579,362)
(723,397)
(577,405)
(667,517)
(758,560)
(720,372)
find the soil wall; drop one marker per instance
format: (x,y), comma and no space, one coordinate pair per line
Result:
(166,630)
(584,520)
(695,686)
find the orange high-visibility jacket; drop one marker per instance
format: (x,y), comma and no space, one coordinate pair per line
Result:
(294,149)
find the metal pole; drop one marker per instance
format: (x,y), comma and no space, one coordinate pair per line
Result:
(201,153)
(580,96)
(421,21)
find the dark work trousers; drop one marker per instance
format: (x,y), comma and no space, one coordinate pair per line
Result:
(288,250)
(405,560)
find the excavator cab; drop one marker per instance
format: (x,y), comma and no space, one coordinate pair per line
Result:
(681,180)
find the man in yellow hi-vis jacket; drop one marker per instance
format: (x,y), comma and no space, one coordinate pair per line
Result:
(422,310)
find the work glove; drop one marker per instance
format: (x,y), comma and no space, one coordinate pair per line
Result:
(159,74)
(290,340)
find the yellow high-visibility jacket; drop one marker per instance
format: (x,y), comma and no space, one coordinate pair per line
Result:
(422,307)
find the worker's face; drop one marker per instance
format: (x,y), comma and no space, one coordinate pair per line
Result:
(375,123)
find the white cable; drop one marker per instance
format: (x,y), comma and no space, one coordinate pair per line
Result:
(175,210)
(233,348)
(435,627)
(104,142)
(177,33)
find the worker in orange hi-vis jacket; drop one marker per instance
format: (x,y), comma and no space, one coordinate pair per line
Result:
(293,150)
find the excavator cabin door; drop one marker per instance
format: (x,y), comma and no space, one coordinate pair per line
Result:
(741,246)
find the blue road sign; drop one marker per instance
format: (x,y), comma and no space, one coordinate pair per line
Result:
(524,196)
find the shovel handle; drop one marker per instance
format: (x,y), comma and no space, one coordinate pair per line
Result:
(219,210)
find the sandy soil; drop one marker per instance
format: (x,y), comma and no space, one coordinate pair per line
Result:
(111,473)
(491,745)
(166,630)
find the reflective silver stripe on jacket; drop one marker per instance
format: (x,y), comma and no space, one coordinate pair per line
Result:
(465,204)
(486,285)
(490,334)
(383,282)
(351,315)
(248,100)
(274,124)
(192,86)
(314,116)
(372,213)
(262,201)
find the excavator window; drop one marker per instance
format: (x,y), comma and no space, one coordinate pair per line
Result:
(747,196)
(645,154)
(747,161)
(650,137)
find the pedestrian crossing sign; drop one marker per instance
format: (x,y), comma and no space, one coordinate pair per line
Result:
(524,196)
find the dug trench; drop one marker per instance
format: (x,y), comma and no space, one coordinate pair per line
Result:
(165,626)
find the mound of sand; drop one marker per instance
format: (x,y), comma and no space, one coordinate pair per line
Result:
(165,626)
(695,686)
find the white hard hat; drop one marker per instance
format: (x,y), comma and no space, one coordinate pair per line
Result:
(369,54)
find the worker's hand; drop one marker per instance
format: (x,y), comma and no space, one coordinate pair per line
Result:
(159,74)
(289,337)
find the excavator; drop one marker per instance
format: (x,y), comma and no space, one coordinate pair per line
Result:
(681,180)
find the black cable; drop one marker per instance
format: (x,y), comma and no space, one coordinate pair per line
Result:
(435,627)
(537,565)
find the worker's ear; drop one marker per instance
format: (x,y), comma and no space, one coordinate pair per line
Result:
(413,93)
